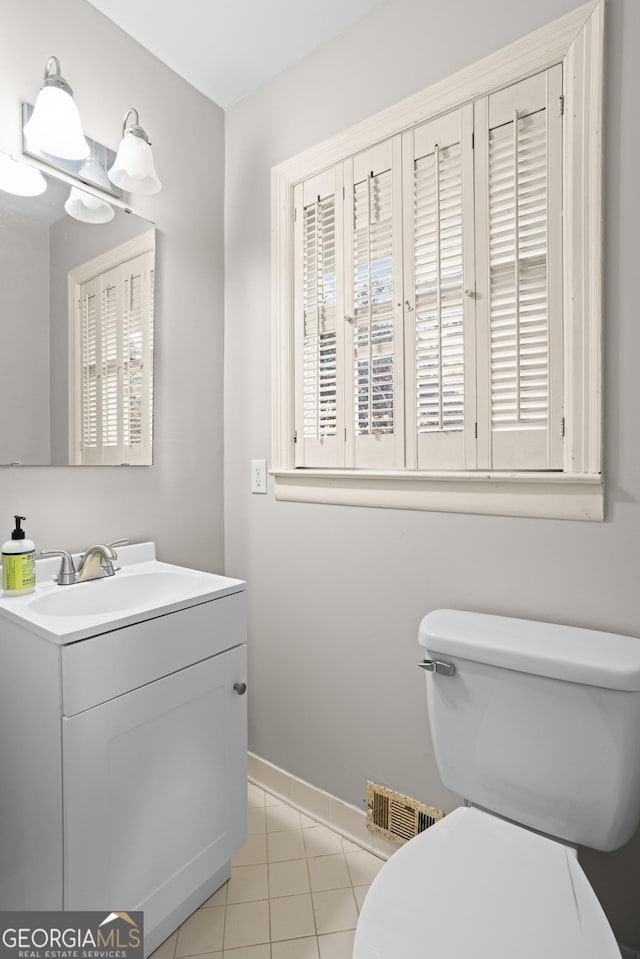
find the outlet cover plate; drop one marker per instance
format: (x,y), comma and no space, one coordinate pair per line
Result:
(258,476)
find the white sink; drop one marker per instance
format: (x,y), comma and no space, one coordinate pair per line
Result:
(142,588)
(116,593)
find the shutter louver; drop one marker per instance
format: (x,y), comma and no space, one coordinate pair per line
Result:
(319,305)
(373,305)
(133,363)
(439,263)
(110,375)
(136,356)
(518,273)
(438,291)
(89,396)
(148,373)
(524,260)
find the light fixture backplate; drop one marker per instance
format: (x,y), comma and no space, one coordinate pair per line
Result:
(78,169)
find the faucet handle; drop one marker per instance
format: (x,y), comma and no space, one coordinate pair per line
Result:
(67,574)
(117,542)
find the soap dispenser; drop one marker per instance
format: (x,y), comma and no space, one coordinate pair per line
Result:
(18,562)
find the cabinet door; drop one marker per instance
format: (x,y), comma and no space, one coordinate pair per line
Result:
(154,790)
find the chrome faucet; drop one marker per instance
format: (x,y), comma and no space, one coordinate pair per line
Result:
(98,561)
(95,563)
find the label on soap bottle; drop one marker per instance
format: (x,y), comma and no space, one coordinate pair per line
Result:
(18,572)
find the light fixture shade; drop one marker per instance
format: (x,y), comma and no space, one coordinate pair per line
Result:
(20,178)
(134,169)
(87,207)
(94,172)
(55,126)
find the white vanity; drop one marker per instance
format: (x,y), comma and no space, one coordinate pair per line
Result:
(122,741)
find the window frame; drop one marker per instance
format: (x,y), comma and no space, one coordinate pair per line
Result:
(575,41)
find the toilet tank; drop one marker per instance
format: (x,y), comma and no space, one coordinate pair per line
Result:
(539,723)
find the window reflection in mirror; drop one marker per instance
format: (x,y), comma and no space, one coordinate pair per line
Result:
(76,331)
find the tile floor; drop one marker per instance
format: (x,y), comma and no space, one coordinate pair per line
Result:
(295,892)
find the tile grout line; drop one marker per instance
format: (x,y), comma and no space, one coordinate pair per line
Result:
(313,905)
(266,839)
(304,828)
(224,918)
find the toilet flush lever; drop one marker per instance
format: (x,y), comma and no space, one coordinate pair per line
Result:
(435,666)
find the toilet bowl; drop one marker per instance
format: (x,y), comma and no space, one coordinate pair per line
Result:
(475,886)
(524,715)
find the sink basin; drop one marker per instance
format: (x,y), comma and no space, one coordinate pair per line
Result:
(142,589)
(113,594)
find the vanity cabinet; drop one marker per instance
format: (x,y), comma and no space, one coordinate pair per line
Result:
(124,764)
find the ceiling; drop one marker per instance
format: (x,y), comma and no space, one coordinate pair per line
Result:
(228,48)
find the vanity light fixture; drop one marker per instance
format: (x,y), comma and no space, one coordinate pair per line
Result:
(87,207)
(20,178)
(55,126)
(134,169)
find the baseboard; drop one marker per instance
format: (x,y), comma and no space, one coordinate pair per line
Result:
(338,815)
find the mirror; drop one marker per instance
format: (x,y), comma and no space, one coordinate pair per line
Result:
(76,330)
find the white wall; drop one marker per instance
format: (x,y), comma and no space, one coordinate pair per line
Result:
(177,501)
(336,594)
(24,339)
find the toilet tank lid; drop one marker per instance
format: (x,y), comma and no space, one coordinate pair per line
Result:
(569,653)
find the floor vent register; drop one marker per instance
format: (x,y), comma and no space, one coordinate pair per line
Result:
(395,816)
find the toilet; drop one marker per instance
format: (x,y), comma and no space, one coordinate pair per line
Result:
(535,725)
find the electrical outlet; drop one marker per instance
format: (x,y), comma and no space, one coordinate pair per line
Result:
(258,476)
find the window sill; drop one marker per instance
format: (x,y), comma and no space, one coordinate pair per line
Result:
(548,495)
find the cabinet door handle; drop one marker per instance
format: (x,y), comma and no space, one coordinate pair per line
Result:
(240,688)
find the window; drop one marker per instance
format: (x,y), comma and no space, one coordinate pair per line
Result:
(111,322)
(437,294)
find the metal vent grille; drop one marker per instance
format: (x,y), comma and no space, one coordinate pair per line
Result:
(395,816)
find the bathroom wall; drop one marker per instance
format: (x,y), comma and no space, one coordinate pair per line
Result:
(336,593)
(178,501)
(24,337)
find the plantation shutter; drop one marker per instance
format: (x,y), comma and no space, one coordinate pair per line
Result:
(115,311)
(439,265)
(319,321)
(519,168)
(428,294)
(373,270)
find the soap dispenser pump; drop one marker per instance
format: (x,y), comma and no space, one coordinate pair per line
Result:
(18,562)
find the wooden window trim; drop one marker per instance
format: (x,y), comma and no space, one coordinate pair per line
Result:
(576,41)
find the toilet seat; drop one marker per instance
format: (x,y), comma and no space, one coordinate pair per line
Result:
(477,885)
